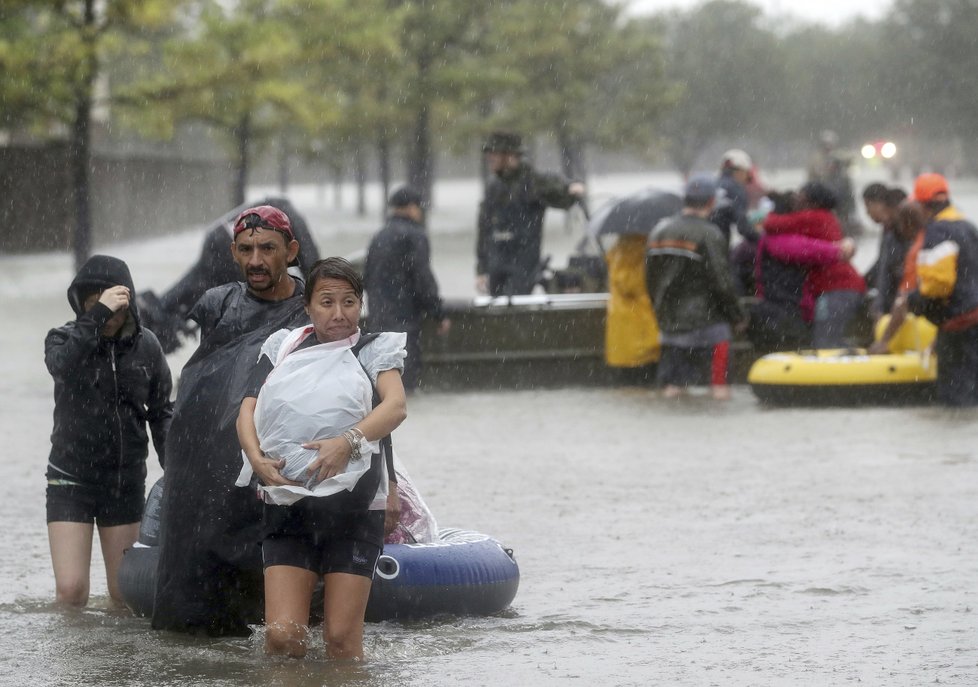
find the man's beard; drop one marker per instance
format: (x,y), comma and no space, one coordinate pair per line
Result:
(270,285)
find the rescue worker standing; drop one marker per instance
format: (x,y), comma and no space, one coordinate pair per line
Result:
(693,293)
(947,290)
(511,217)
(401,288)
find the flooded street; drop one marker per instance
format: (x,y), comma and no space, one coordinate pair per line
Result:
(690,543)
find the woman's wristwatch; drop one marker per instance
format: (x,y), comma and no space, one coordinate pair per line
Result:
(355,439)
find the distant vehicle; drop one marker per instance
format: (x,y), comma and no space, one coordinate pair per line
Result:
(882,150)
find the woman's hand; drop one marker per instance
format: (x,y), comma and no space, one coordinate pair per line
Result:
(269,470)
(847,248)
(334,454)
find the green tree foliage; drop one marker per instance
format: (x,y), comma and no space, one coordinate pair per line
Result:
(325,77)
(351,49)
(51,55)
(441,41)
(577,71)
(730,70)
(335,78)
(932,58)
(631,99)
(236,70)
(835,82)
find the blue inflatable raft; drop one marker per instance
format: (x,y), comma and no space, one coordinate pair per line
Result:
(463,573)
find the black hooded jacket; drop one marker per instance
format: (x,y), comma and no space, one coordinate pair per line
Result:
(106,390)
(511,218)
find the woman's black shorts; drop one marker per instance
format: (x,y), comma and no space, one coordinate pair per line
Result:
(103,506)
(313,538)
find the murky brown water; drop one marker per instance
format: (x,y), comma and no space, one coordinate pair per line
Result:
(685,543)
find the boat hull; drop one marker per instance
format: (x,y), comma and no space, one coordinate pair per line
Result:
(843,377)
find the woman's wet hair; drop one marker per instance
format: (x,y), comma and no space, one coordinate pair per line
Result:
(783,201)
(895,196)
(910,218)
(879,193)
(333,268)
(818,195)
(875,192)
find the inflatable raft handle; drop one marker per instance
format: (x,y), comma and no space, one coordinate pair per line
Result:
(387,567)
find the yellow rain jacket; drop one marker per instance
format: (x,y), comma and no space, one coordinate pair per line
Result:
(631,333)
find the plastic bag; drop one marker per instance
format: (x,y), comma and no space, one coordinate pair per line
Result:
(314,393)
(416,524)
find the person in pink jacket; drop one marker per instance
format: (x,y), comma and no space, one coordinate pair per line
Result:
(836,288)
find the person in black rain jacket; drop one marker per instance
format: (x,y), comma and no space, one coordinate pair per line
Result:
(111,380)
(209,576)
(401,287)
(510,225)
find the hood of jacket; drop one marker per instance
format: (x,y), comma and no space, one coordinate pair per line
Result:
(101,272)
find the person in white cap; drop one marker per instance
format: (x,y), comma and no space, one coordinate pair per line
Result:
(731,207)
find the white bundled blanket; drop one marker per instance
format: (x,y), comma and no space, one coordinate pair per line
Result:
(318,393)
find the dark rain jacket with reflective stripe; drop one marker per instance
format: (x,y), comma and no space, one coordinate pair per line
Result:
(688,275)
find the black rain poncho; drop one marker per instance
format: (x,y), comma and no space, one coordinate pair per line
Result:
(210,572)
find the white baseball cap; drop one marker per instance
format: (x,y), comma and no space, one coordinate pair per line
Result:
(737,159)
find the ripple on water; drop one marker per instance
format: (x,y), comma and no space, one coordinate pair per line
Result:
(833,591)
(753,582)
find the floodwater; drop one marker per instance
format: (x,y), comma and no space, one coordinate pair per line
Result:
(689,543)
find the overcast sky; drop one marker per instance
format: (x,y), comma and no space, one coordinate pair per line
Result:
(831,12)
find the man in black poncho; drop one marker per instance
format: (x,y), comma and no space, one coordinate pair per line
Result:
(209,578)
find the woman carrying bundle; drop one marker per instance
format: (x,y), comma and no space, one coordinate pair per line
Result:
(314,428)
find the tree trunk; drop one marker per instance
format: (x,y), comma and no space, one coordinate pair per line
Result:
(242,138)
(485,112)
(81,187)
(384,164)
(360,171)
(683,152)
(283,166)
(80,146)
(571,156)
(337,169)
(420,171)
